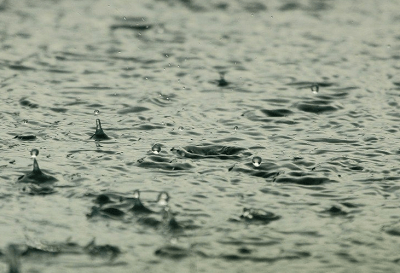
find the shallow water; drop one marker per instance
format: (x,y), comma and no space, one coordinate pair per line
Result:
(214,84)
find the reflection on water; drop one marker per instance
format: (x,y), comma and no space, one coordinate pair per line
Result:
(260,135)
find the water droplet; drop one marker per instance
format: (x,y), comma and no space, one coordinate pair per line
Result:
(34,153)
(256,161)
(96,112)
(25,121)
(166,55)
(163,199)
(180,128)
(315,88)
(156,149)
(235,128)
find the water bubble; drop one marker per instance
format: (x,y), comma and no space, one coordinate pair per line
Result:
(96,112)
(180,128)
(257,161)
(34,153)
(315,88)
(156,149)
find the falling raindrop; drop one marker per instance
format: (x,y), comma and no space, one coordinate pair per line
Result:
(256,161)
(96,112)
(315,88)
(34,153)
(156,149)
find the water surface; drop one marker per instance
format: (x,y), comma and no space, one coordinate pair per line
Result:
(212,84)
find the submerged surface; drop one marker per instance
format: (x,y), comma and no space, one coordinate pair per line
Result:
(215,102)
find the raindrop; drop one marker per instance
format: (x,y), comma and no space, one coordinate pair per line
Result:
(315,88)
(236,128)
(222,82)
(96,112)
(156,149)
(34,153)
(124,18)
(256,161)
(163,199)
(180,128)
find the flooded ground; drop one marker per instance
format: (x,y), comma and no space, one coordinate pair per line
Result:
(271,125)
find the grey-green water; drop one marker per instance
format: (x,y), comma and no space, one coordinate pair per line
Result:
(329,172)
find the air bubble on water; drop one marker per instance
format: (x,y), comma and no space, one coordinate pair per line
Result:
(34,153)
(315,88)
(156,149)
(180,128)
(256,161)
(96,112)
